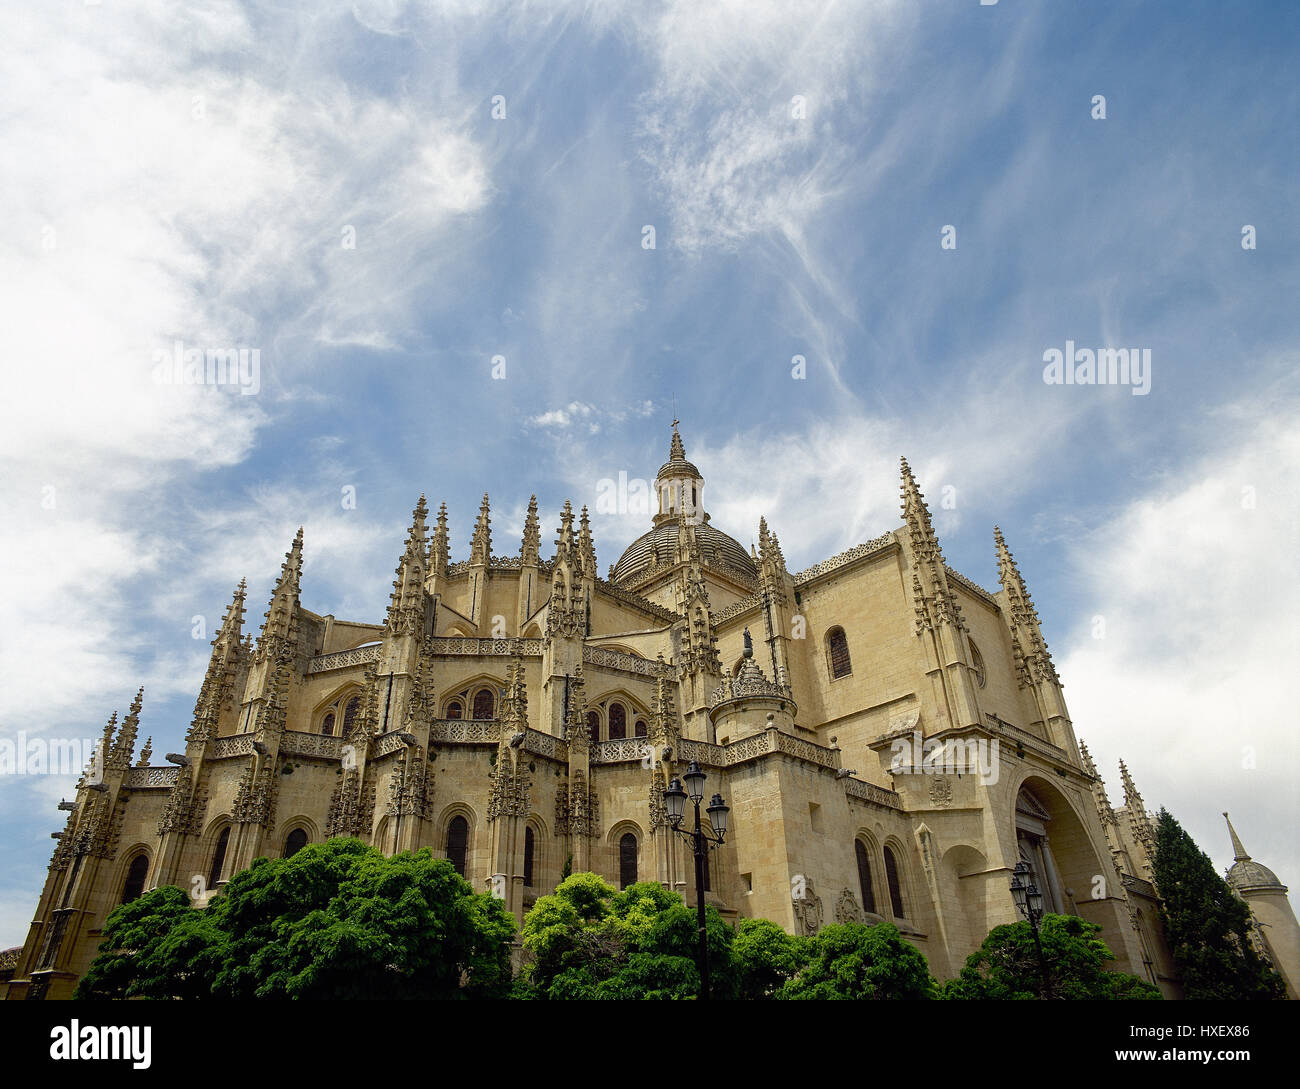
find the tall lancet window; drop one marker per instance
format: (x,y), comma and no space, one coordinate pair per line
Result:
(617,722)
(837,650)
(484,704)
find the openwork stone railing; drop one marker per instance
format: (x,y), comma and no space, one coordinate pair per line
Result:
(869,792)
(620,751)
(545,745)
(459,731)
(701,751)
(236,745)
(844,558)
(1136,884)
(737,608)
(387,743)
(341,659)
(1024,737)
(298,743)
(143,778)
(957,576)
(452,645)
(756,745)
(627,663)
(756,686)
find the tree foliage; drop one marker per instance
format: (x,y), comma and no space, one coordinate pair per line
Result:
(1007,966)
(1206,925)
(337,920)
(856,961)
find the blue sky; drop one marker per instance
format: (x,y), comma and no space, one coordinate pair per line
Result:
(190,175)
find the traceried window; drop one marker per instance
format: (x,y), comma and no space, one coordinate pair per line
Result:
(327,727)
(617,721)
(977,662)
(627,860)
(530,847)
(350,714)
(295,842)
(484,704)
(895,886)
(837,649)
(218,859)
(641,730)
(455,710)
(593,725)
(136,873)
(458,843)
(864,876)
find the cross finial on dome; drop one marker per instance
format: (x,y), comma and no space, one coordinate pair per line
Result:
(676,452)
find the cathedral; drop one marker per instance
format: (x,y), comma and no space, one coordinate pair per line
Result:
(891,738)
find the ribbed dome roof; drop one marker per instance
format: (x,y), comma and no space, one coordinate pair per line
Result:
(715,547)
(1249,874)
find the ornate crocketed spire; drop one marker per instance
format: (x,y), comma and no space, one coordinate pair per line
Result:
(1098,786)
(586,547)
(421,704)
(530,549)
(1139,821)
(145,753)
(480,551)
(934,602)
(514,704)
(1033,661)
(406,604)
(124,746)
(280,630)
(103,751)
(566,614)
(439,546)
(665,714)
(575,722)
(232,624)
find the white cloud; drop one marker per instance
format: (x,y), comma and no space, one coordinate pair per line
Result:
(1199,600)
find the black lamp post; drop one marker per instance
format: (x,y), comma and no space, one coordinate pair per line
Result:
(701,843)
(1029,902)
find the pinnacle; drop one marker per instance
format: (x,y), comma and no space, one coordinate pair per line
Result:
(676,450)
(1239,851)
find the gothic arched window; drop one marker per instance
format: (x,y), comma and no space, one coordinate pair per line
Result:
(895,887)
(484,704)
(617,721)
(837,649)
(593,725)
(641,730)
(136,873)
(454,709)
(327,727)
(530,846)
(864,876)
(458,843)
(219,858)
(295,842)
(627,860)
(977,661)
(350,714)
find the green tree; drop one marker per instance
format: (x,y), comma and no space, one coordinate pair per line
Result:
(589,941)
(337,920)
(855,961)
(1007,965)
(764,956)
(1206,925)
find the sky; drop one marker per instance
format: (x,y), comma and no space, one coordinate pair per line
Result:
(496,246)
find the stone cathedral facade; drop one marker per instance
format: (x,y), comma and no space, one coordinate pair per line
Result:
(892,739)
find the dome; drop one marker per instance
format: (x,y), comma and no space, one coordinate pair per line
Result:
(1249,874)
(715,546)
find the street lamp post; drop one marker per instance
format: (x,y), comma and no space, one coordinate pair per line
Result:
(701,843)
(1029,902)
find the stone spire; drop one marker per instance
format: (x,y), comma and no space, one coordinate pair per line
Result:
(232,624)
(145,753)
(529,551)
(1238,851)
(124,747)
(1033,661)
(439,548)
(1139,822)
(280,631)
(480,551)
(514,704)
(934,603)
(103,751)
(566,615)
(586,547)
(406,604)
(1098,785)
